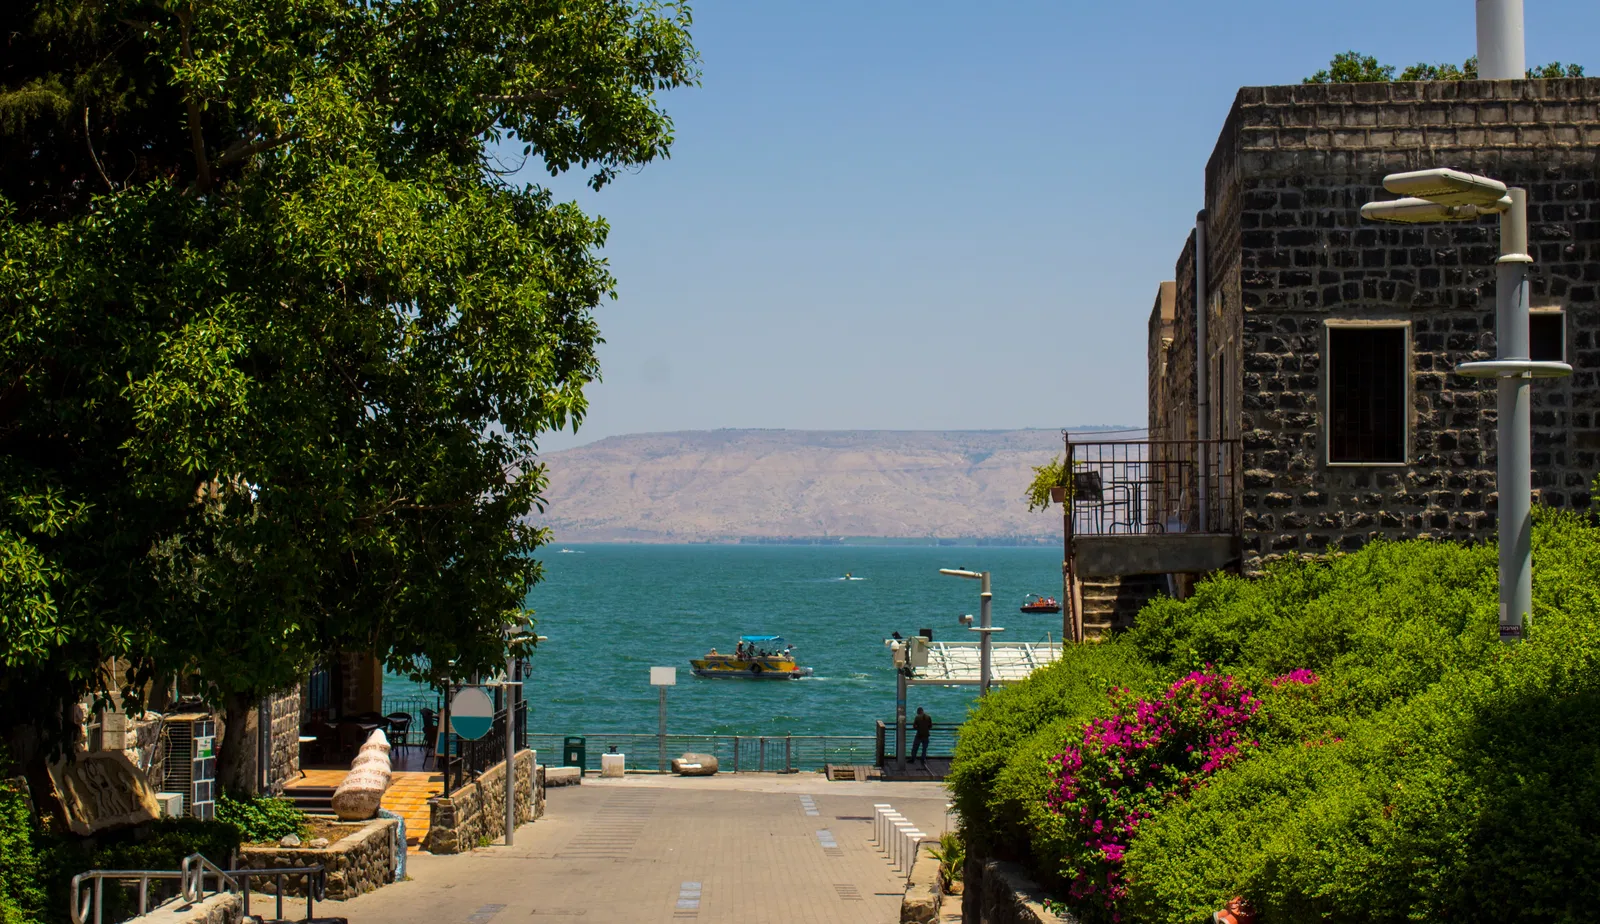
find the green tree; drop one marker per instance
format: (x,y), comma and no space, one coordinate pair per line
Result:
(277,333)
(1354,67)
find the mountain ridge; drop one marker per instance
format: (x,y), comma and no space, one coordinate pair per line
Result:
(732,484)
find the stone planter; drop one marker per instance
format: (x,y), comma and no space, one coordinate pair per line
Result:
(1001,893)
(356,863)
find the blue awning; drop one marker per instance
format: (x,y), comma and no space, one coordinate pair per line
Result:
(760,638)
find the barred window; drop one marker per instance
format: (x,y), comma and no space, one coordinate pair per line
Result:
(1367,368)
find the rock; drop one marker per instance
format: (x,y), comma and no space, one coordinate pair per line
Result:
(289,840)
(319,843)
(695,765)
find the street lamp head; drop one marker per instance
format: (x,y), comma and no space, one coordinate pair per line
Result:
(1446,187)
(1424,211)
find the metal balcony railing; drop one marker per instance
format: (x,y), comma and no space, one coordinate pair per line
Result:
(1130,487)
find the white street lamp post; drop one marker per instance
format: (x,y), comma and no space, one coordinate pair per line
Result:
(985,598)
(1450,195)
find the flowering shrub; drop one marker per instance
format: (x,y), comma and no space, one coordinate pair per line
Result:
(1131,763)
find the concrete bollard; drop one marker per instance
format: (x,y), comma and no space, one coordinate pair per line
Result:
(890,819)
(914,839)
(878,808)
(900,830)
(612,766)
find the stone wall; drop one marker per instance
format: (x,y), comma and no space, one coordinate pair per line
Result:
(285,763)
(476,812)
(1288,253)
(1000,893)
(357,863)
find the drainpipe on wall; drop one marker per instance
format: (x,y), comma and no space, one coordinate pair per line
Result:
(1202,376)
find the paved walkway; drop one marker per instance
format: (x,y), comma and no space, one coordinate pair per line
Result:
(744,848)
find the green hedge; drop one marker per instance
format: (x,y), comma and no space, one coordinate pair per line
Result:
(1001,770)
(1431,774)
(21,899)
(36,868)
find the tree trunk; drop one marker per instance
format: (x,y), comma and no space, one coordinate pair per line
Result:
(236,763)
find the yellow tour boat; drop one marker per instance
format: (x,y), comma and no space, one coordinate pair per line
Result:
(756,657)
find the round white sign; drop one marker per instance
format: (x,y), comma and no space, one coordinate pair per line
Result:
(471,713)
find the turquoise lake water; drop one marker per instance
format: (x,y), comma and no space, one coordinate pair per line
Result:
(611,612)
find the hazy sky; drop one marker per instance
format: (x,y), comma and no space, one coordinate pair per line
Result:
(930,215)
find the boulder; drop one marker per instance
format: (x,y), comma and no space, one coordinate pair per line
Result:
(695,765)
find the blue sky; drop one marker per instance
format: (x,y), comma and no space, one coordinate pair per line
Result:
(930,215)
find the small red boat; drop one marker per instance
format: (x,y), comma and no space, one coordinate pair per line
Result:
(1038,604)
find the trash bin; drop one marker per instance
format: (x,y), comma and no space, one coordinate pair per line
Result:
(574,751)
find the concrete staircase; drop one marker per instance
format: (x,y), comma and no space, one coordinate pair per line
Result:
(1111,602)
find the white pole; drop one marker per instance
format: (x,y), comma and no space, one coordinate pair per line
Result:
(1502,50)
(1515,475)
(984,649)
(661,734)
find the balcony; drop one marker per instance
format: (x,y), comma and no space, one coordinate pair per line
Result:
(1152,506)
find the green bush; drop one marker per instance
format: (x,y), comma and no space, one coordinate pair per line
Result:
(1001,768)
(261,819)
(160,845)
(21,899)
(1477,799)
(1432,773)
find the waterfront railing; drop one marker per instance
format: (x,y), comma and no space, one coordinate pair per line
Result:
(734,753)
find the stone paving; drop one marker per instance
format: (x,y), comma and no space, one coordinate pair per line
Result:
(407,796)
(743,848)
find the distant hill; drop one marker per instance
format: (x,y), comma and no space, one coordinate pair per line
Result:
(700,486)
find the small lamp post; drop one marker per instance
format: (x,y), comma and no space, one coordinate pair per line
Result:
(1450,195)
(985,598)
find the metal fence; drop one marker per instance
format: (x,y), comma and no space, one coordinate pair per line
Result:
(734,753)
(1154,486)
(464,760)
(941,741)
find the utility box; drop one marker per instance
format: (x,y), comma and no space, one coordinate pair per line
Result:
(170,803)
(574,752)
(917,651)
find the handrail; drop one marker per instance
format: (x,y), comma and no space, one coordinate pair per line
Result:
(80,902)
(191,886)
(194,877)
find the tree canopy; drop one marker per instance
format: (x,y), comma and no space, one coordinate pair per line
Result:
(278,333)
(1355,67)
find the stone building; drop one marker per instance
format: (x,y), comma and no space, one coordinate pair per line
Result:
(1330,341)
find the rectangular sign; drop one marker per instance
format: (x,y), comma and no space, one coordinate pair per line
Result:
(663,676)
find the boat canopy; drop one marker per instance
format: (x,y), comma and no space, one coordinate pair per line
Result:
(760,638)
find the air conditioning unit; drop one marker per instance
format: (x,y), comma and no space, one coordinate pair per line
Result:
(191,769)
(171,804)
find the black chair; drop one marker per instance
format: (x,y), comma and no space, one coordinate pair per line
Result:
(430,731)
(399,729)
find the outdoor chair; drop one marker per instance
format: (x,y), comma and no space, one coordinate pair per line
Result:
(430,732)
(399,729)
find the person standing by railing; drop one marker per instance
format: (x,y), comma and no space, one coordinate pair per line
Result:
(923,726)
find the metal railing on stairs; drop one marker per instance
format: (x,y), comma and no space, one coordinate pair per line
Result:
(87,901)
